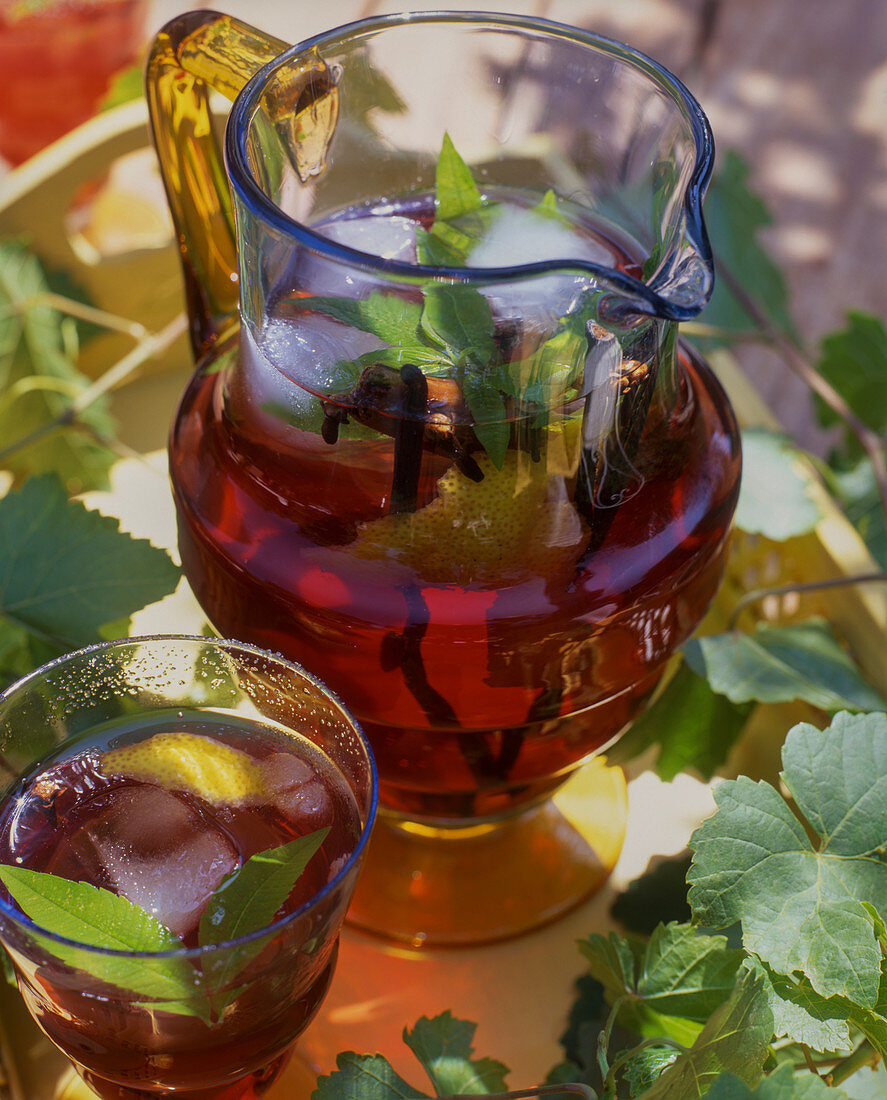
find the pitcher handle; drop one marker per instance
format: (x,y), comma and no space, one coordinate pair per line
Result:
(194,53)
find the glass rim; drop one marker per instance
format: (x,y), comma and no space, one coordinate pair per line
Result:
(7,911)
(654,303)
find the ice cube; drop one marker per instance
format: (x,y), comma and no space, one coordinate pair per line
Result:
(386,235)
(308,349)
(152,848)
(520,236)
(296,791)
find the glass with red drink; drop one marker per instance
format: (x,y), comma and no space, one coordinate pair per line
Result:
(181,834)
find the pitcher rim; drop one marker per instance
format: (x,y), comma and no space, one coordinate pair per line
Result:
(650,301)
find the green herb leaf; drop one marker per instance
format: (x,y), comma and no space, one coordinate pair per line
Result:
(735,1040)
(694,726)
(677,973)
(65,571)
(39,379)
(248,900)
(364,1077)
(774,499)
(455,192)
(98,918)
(782,1084)
(443,1046)
(458,319)
(388,316)
(854,361)
(734,216)
(857,493)
(801,906)
(780,663)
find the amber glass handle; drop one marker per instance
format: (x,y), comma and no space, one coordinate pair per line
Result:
(197,52)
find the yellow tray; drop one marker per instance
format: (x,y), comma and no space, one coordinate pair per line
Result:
(519,992)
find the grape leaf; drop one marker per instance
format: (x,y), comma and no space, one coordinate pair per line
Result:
(735,1039)
(782,1084)
(677,973)
(857,493)
(364,1077)
(774,498)
(854,361)
(645,1066)
(90,915)
(801,906)
(38,380)
(443,1046)
(66,571)
(780,663)
(734,216)
(694,726)
(800,1014)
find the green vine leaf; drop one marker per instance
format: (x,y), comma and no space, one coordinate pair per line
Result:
(854,361)
(66,571)
(782,1084)
(693,725)
(734,216)
(39,378)
(774,499)
(444,1048)
(676,976)
(779,663)
(801,903)
(734,1040)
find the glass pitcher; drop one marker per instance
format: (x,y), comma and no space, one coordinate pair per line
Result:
(442,445)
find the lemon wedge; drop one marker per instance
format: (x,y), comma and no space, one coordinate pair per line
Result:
(180,761)
(516,521)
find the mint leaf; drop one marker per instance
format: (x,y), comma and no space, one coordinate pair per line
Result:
(734,216)
(802,904)
(98,918)
(735,1040)
(38,380)
(774,498)
(693,725)
(782,1084)
(364,1077)
(455,192)
(248,900)
(678,973)
(854,361)
(65,571)
(458,319)
(388,316)
(443,1046)
(780,663)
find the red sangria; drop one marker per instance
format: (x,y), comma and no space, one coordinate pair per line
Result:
(443,444)
(173,880)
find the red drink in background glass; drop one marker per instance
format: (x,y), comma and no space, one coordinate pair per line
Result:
(57,59)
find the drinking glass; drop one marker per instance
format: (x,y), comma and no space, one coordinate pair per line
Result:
(215,1021)
(442,443)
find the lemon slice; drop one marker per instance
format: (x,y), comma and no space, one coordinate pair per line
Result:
(516,521)
(182,761)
